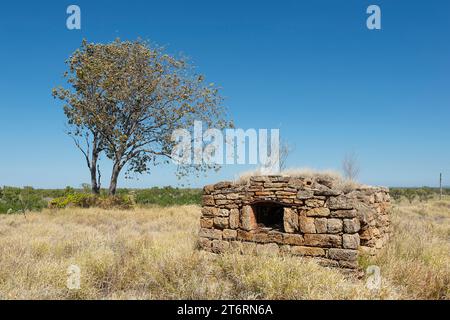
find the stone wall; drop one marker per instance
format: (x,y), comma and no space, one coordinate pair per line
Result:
(317,217)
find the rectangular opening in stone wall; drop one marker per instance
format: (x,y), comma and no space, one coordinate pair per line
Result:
(269,215)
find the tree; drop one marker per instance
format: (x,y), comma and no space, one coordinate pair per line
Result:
(285,151)
(83,103)
(139,96)
(350,166)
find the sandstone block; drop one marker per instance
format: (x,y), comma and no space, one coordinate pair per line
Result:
(219,246)
(229,234)
(234,218)
(343,254)
(221,222)
(248,220)
(307,225)
(210,233)
(209,211)
(290,220)
(314,203)
(334,225)
(350,241)
(208,200)
(321,225)
(343,213)
(261,237)
(206,223)
(222,185)
(351,225)
(318,212)
(321,190)
(208,189)
(339,202)
(205,244)
(275,236)
(322,240)
(307,251)
(244,235)
(294,239)
(232,196)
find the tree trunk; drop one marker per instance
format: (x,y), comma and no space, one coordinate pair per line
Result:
(95,183)
(114,176)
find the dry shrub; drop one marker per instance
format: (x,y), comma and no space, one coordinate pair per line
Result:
(417,258)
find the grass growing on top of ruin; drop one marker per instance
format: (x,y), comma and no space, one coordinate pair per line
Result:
(149,253)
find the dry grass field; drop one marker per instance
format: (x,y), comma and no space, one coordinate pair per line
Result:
(151,254)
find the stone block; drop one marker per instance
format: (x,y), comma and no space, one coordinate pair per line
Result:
(219,246)
(314,203)
(334,225)
(351,225)
(343,254)
(206,223)
(307,225)
(290,220)
(210,233)
(321,225)
(220,222)
(293,239)
(229,234)
(234,218)
(350,241)
(318,212)
(248,220)
(322,240)
(208,200)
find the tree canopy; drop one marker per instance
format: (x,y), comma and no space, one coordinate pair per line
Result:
(126,98)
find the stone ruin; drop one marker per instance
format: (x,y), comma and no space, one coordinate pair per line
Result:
(316,216)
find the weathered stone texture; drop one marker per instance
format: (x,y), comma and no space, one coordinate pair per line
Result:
(313,217)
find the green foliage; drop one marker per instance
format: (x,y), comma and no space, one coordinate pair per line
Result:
(168,196)
(20,200)
(83,200)
(126,98)
(422,194)
(87,200)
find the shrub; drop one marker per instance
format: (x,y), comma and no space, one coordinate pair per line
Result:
(82,200)
(86,200)
(20,200)
(168,196)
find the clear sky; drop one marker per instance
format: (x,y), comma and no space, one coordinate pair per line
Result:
(310,68)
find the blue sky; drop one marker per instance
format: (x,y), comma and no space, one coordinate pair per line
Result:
(310,68)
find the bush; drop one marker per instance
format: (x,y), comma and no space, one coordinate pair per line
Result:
(86,200)
(168,196)
(20,200)
(83,200)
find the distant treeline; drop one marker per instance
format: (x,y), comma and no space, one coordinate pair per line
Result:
(19,200)
(420,194)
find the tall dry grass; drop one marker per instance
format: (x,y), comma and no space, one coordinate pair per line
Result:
(150,254)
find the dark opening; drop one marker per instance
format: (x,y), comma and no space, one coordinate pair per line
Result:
(269,215)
